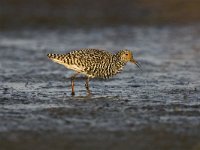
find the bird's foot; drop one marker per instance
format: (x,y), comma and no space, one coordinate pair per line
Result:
(73,93)
(89,94)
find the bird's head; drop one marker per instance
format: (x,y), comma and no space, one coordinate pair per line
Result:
(127,56)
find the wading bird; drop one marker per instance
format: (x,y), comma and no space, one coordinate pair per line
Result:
(93,63)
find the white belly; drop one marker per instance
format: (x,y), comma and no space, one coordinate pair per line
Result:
(76,68)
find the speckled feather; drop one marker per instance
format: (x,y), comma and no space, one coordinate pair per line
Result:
(91,62)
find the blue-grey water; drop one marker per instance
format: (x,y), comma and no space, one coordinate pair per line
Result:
(156,108)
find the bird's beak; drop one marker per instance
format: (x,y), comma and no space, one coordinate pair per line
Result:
(136,63)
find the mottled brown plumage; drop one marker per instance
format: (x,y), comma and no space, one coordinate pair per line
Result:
(94,63)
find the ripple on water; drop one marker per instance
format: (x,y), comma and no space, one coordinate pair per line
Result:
(36,91)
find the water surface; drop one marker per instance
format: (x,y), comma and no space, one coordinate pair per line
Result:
(156,108)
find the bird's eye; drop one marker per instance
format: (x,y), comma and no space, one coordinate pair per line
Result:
(126,54)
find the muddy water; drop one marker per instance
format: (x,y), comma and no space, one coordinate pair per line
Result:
(156,108)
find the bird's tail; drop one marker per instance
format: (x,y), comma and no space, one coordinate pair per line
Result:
(58,58)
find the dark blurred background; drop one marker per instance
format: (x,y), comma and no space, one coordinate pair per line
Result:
(153,109)
(76,13)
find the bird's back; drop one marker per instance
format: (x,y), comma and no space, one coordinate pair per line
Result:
(91,62)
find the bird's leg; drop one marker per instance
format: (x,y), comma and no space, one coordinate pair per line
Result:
(87,85)
(72,82)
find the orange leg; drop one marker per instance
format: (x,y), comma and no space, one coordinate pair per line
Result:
(87,85)
(72,82)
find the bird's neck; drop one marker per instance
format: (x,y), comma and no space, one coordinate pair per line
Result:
(119,62)
(117,56)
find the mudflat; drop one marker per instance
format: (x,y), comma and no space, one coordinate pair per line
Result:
(156,108)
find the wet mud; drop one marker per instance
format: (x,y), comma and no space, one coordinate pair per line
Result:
(156,108)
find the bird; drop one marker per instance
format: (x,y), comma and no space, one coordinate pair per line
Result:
(93,63)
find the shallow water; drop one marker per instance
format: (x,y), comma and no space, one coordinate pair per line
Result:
(158,107)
